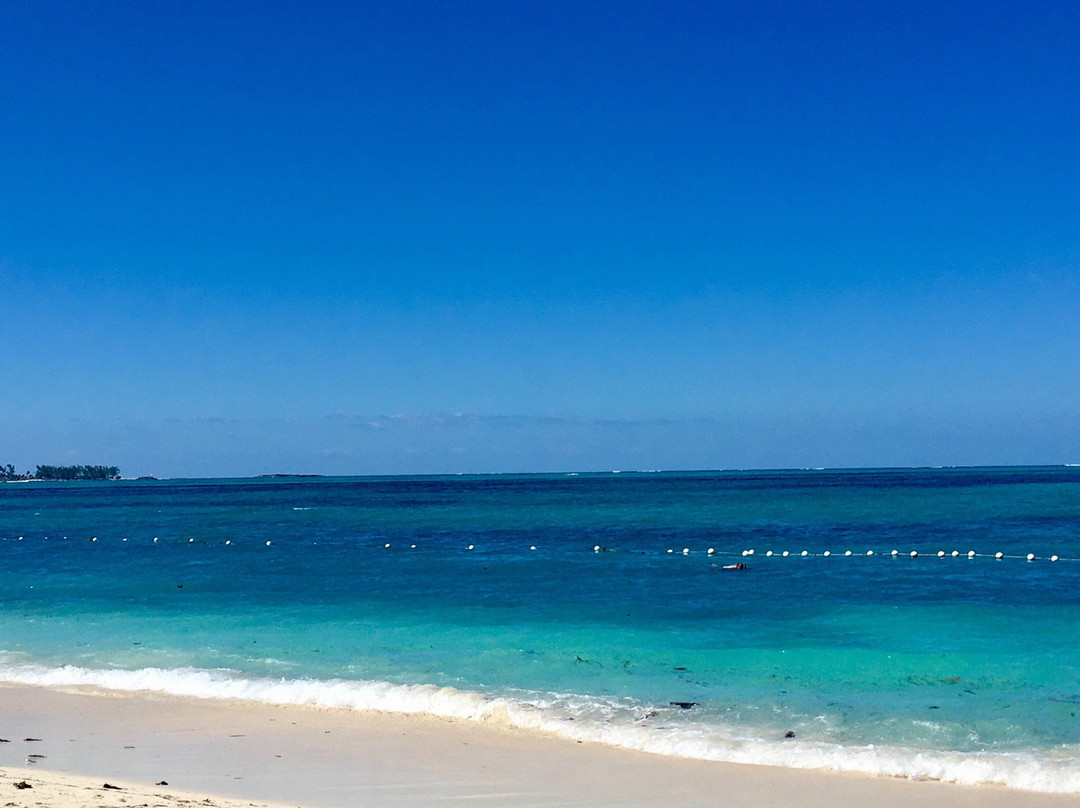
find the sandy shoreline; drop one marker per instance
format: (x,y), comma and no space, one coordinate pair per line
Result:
(260,754)
(29,788)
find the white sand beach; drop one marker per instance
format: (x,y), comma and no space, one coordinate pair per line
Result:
(159,750)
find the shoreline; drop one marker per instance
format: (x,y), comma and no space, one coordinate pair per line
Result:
(333,758)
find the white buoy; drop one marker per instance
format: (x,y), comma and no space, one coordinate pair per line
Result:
(712,550)
(804,553)
(470,546)
(999,556)
(826,554)
(532,546)
(869,552)
(386,546)
(914,553)
(670,551)
(227,542)
(191,541)
(940,553)
(895,553)
(847,552)
(785,554)
(1053,558)
(268,543)
(686,551)
(155,539)
(750,551)
(94,539)
(768,554)
(744,553)
(412,546)
(955,553)
(1030,556)
(123,539)
(971,553)
(596,548)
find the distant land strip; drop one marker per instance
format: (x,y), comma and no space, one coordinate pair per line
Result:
(8,473)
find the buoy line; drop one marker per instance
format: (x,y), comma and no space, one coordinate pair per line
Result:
(596,549)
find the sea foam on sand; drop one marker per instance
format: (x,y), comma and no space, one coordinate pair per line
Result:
(575,720)
(337,758)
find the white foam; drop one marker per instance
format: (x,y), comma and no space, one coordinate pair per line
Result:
(619,722)
(226,684)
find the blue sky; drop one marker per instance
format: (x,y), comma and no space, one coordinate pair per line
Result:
(396,237)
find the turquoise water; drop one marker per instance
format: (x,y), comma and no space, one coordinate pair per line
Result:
(484,597)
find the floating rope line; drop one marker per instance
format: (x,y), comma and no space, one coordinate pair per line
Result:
(684,551)
(970,554)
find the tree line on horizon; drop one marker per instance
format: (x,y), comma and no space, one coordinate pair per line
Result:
(8,473)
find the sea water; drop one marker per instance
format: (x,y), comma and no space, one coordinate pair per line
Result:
(594,606)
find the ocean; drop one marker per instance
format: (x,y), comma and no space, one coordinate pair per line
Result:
(922,623)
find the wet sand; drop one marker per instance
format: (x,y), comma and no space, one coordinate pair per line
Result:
(67,744)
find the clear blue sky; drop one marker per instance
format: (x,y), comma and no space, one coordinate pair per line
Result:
(386,237)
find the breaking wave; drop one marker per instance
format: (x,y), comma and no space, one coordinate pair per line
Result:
(659,729)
